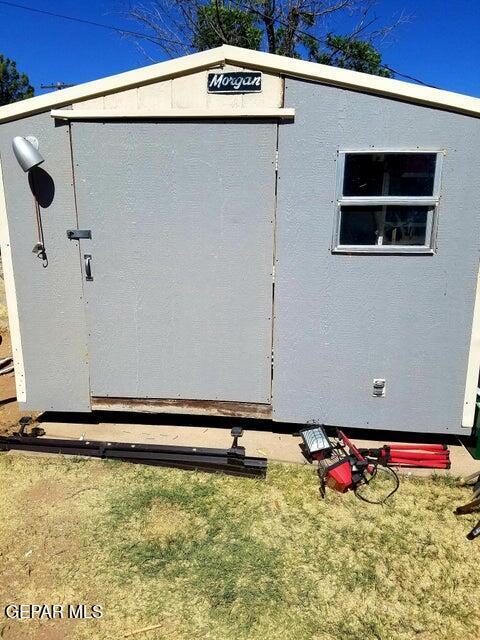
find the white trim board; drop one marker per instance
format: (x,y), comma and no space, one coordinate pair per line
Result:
(11,296)
(105,114)
(473,368)
(252,59)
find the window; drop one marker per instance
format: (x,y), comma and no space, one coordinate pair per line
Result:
(387,202)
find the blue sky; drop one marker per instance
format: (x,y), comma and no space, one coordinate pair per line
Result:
(440,44)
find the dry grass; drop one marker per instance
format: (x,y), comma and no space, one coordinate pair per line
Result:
(218,558)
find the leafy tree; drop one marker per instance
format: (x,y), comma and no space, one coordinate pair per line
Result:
(358,55)
(14,85)
(217,24)
(294,28)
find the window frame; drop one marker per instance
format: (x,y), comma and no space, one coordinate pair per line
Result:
(432,202)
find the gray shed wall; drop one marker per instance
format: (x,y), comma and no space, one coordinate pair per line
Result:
(50,304)
(342,320)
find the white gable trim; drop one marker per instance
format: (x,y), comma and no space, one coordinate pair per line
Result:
(127,80)
(355,80)
(473,368)
(106,114)
(253,59)
(11,295)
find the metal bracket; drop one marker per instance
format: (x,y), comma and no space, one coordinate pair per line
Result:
(79,234)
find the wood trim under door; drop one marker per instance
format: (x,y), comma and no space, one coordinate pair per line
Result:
(192,407)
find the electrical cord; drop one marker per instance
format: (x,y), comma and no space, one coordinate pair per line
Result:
(387,470)
(39,247)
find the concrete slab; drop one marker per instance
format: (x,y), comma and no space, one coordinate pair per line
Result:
(278,447)
(274,446)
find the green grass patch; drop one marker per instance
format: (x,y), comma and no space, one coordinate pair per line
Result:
(219,558)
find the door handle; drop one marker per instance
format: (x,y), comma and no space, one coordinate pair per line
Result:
(88,266)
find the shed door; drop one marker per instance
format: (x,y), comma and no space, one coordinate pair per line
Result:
(181,215)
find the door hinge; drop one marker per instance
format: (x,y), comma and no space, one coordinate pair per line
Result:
(79,234)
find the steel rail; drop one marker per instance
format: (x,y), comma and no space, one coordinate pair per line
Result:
(232,461)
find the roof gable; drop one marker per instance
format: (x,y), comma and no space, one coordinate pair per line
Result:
(252,59)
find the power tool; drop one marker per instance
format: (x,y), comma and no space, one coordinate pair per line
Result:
(344,467)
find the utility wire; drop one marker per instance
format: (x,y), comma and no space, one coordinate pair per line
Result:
(319,41)
(156,40)
(56,85)
(73,19)
(412,78)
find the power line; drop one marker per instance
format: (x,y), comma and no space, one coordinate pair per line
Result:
(56,85)
(73,19)
(102,25)
(319,41)
(412,78)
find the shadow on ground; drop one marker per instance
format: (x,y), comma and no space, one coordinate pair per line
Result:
(250,424)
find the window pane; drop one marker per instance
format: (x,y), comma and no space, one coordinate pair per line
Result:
(405,225)
(389,225)
(389,174)
(358,225)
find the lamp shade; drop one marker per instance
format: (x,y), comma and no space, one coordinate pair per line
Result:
(26,154)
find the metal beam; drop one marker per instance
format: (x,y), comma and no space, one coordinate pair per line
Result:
(231,461)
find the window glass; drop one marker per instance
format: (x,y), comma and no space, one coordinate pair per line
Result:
(383,225)
(405,225)
(389,174)
(358,225)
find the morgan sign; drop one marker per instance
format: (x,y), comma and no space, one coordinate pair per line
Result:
(234,82)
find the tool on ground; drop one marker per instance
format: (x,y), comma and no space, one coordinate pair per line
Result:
(472,506)
(343,466)
(425,456)
(232,461)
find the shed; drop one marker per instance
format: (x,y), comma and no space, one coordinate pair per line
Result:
(242,234)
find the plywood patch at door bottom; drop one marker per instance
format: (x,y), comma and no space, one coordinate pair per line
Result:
(193,407)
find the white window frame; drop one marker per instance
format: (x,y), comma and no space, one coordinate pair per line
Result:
(432,202)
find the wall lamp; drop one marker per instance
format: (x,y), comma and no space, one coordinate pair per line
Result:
(28,157)
(26,152)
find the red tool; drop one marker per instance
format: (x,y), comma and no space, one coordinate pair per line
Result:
(342,466)
(428,456)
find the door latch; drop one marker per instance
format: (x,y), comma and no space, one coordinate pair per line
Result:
(79,234)
(88,266)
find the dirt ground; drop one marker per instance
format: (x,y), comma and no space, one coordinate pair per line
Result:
(9,411)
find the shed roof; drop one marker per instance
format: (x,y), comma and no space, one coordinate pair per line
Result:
(253,59)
